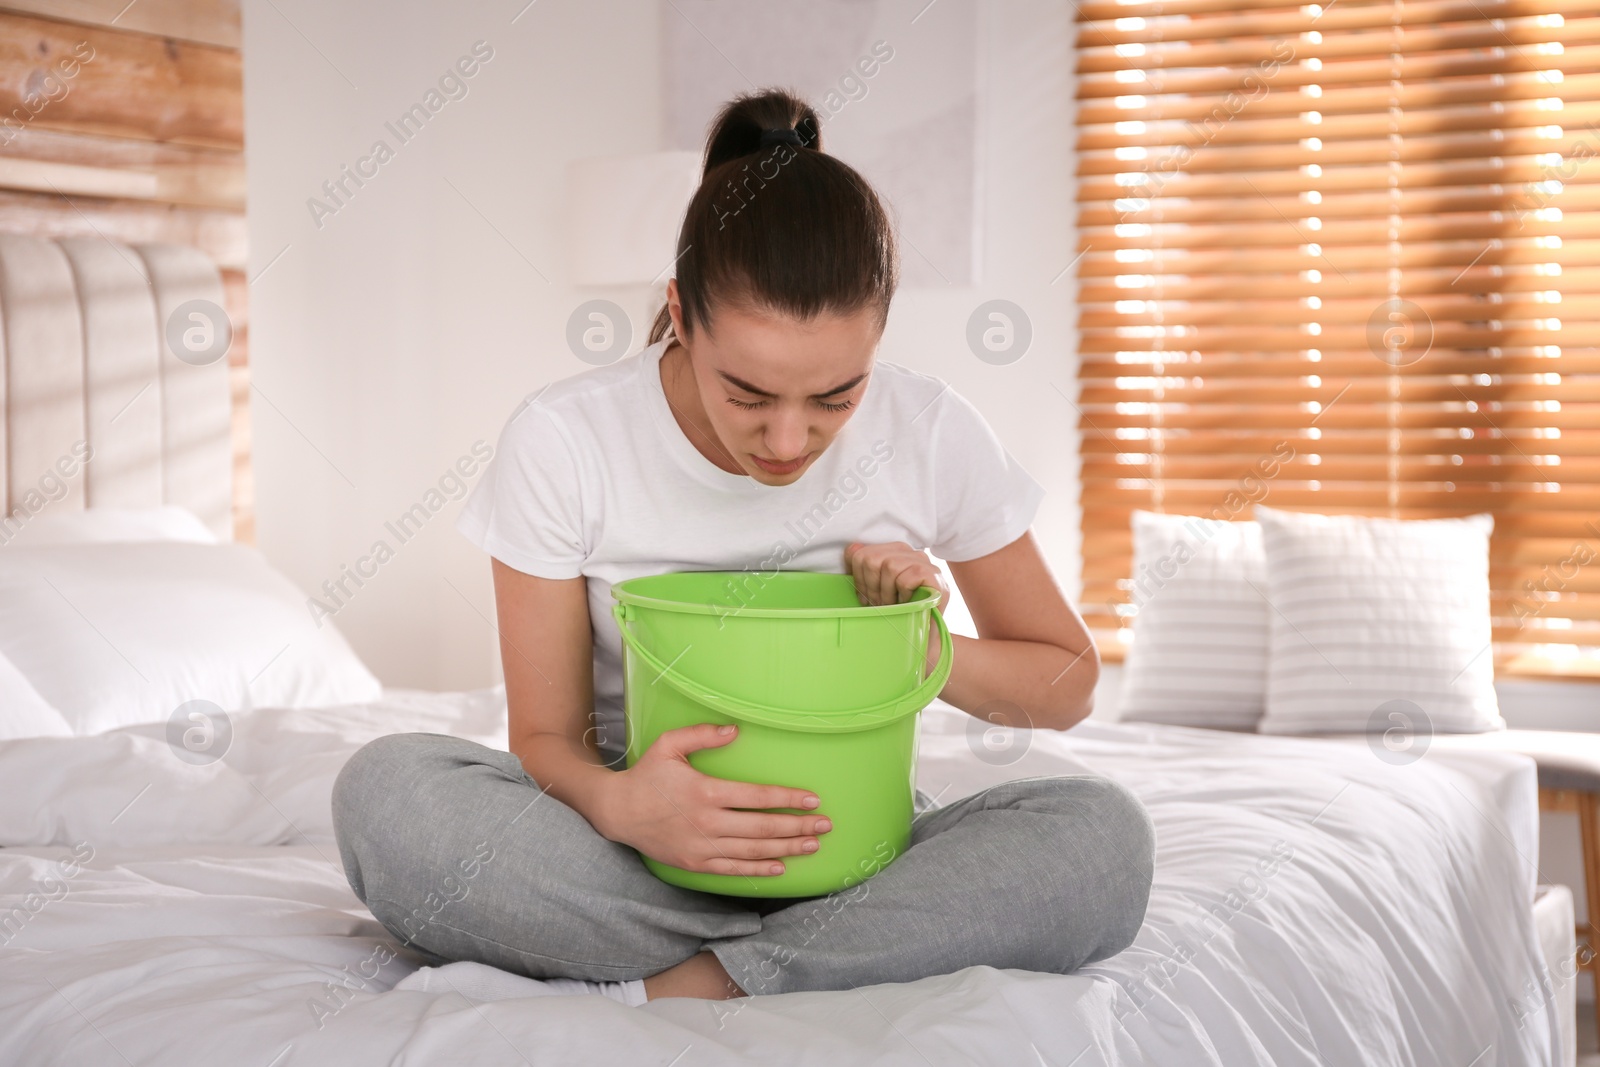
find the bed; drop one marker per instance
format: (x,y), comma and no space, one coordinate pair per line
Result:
(1312,904)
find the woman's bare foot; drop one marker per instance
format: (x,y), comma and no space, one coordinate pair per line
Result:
(701,976)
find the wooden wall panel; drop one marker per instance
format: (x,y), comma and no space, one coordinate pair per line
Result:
(127,122)
(89,79)
(236,290)
(203,21)
(47,161)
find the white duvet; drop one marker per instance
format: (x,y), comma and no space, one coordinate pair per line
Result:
(1313,904)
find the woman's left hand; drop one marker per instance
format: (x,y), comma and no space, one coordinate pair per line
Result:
(892,573)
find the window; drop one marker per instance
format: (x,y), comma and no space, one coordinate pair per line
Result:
(1346,258)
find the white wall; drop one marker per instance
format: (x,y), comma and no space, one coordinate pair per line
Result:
(411,322)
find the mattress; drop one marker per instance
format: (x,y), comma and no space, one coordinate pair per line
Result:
(1312,905)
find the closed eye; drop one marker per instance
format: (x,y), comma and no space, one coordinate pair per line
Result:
(843,406)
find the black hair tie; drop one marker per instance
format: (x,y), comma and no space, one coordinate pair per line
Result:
(780,136)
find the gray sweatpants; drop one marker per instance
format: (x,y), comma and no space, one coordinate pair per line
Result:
(461,855)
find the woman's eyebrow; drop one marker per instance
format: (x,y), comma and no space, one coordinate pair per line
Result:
(747,387)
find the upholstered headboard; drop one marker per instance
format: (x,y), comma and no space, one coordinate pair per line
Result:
(116,353)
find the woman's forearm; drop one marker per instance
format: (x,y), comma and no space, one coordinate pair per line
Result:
(570,773)
(1053,686)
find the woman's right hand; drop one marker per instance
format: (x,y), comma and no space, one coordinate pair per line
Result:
(684,818)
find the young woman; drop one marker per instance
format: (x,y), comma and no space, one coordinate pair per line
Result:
(757,430)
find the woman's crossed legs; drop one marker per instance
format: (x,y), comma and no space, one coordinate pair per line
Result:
(457,851)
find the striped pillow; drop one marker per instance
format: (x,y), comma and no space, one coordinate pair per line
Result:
(1369,614)
(1199,651)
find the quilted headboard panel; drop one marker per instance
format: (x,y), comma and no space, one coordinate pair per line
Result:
(114,353)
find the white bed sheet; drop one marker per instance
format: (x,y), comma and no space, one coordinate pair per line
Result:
(213,924)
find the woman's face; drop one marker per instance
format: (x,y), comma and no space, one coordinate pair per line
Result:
(774,390)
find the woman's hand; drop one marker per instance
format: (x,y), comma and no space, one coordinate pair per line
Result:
(892,573)
(679,816)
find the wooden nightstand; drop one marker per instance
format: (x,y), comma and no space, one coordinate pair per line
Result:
(1586,803)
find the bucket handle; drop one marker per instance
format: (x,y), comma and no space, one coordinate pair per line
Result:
(789,719)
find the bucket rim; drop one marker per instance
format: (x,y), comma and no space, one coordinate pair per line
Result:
(924,597)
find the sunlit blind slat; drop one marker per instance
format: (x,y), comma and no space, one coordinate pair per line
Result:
(1346,258)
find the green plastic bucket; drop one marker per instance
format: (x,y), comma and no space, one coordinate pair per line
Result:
(825,691)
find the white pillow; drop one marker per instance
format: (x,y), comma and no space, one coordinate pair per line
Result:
(1199,651)
(168,522)
(117,634)
(23,712)
(1374,615)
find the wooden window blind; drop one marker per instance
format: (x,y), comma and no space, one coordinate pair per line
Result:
(1346,258)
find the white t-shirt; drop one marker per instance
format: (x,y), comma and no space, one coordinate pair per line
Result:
(593,476)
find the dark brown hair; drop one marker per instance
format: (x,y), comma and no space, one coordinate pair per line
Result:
(782,229)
